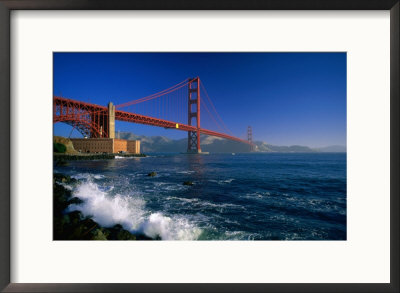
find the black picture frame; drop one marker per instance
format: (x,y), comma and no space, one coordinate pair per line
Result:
(7,6)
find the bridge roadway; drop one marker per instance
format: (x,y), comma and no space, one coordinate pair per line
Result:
(135,118)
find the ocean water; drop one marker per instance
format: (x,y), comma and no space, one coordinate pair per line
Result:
(268,196)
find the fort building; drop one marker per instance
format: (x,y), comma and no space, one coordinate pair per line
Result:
(106,145)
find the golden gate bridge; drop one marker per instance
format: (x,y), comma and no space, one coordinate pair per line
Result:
(177,107)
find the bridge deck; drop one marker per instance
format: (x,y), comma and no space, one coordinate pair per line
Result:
(87,108)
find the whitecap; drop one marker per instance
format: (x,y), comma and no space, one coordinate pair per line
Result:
(176,187)
(188,200)
(186,172)
(222,182)
(87,176)
(80,176)
(238,235)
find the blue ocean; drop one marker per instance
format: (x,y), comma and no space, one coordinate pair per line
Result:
(253,196)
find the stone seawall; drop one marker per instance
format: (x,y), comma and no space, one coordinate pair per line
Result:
(68,157)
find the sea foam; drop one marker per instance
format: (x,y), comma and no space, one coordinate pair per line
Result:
(131,213)
(109,210)
(177,228)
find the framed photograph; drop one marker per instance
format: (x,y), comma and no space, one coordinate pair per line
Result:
(230,146)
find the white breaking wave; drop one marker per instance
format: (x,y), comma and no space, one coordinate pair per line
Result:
(130,212)
(107,210)
(177,228)
(65,185)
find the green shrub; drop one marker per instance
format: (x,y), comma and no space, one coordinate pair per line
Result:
(59,148)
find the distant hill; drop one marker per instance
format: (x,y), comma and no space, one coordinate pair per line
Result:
(213,144)
(150,144)
(332,149)
(264,147)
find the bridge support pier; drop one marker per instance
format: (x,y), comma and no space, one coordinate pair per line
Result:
(194,112)
(104,122)
(111,120)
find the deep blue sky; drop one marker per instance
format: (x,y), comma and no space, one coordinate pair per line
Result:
(288,98)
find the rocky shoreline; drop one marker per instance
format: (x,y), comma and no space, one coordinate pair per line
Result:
(74,225)
(90,156)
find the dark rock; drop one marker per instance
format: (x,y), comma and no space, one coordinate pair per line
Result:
(188,183)
(143,237)
(74,225)
(61,163)
(81,228)
(119,233)
(75,200)
(60,199)
(75,217)
(57,177)
(98,235)
(118,227)
(152,174)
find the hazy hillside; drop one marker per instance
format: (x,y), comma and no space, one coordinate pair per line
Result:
(217,145)
(332,149)
(163,144)
(264,147)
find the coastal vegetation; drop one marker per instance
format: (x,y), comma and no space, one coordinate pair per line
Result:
(59,147)
(67,148)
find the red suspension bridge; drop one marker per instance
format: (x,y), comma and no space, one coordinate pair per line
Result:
(177,107)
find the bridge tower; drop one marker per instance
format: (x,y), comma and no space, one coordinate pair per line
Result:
(250,137)
(194,112)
